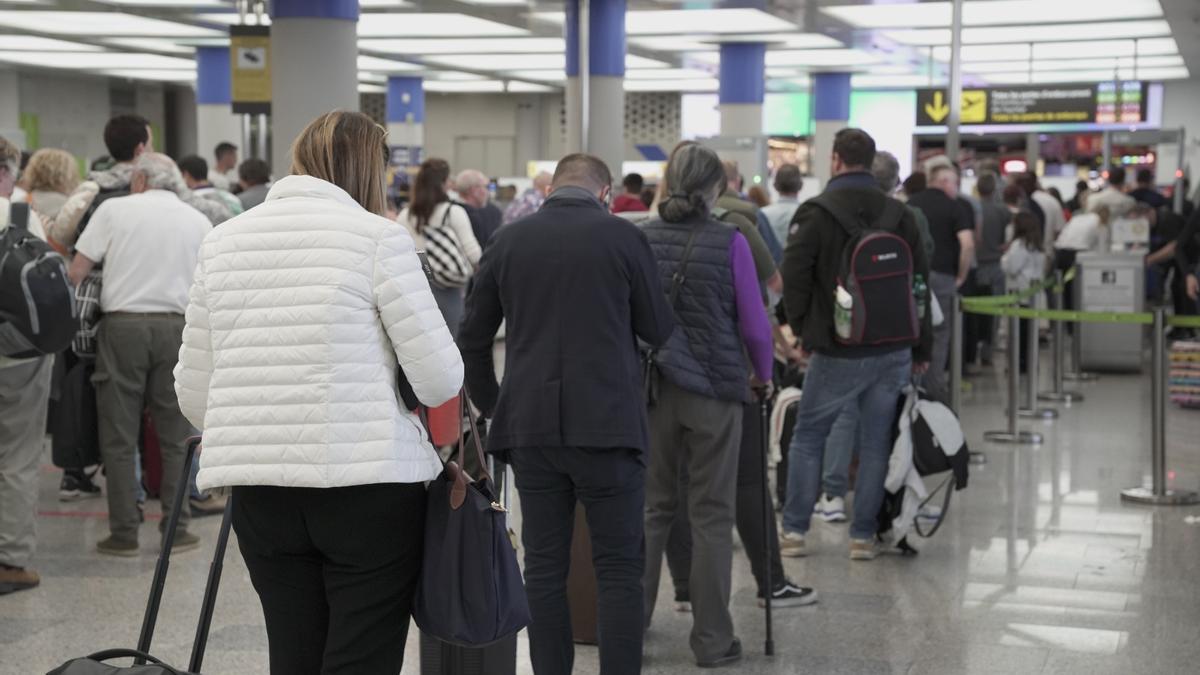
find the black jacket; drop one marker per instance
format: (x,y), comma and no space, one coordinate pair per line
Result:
(576,286)
(813,259)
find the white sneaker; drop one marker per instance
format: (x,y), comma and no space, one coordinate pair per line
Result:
(831,509)
(791,545)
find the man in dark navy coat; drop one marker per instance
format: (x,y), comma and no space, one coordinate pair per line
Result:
(578,287)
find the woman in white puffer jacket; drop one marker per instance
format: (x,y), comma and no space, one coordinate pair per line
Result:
(301,311)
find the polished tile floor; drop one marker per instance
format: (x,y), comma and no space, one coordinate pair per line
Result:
(1039,569)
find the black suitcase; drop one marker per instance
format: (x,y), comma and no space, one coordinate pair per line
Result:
(498,658)
(143,662)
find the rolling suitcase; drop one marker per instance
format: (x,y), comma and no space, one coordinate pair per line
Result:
(143,662)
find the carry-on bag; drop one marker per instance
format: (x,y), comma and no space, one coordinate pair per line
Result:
(470,592)
(497,658)
(143,662)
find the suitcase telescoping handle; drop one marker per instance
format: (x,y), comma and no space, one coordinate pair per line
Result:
(210,590)
(164,559)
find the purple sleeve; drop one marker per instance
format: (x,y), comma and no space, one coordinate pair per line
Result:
(752,316)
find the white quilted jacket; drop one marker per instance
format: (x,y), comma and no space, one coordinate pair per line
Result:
(299,311)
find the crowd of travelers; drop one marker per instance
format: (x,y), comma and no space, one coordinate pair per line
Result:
(643,331)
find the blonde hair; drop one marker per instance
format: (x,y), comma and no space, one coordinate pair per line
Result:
(347,149)
(52,170)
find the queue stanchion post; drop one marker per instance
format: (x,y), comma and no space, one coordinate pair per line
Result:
(1077,373)
(956,373)
(1012,434)
(1158,494)
(1059,393)
(956,353)
(1033,352)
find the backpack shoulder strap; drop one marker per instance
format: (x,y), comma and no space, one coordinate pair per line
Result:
(848,221)
(681,274)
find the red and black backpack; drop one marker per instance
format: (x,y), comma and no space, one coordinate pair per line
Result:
(877,271)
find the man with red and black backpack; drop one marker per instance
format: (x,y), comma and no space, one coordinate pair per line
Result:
(854,292)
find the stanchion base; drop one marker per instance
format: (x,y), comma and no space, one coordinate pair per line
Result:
(977,457)
(1061,396)
(1022,437)
(1038,413)
(1145,495)
(1081,377)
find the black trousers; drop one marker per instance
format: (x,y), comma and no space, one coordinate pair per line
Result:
(611,485)
(750,521)
(336,570)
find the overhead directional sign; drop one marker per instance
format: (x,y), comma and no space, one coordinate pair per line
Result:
(1101,103)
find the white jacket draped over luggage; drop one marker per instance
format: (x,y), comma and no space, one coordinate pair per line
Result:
(298,316)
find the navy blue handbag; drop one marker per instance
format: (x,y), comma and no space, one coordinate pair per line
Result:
(471,592)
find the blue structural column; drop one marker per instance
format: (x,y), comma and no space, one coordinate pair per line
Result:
(215,121)
(605,119)
(831,113)
(742,89)
(314,67)
(406,117)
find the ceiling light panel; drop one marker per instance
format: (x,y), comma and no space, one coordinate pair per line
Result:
(991,12)
(700,21)
(529,88)
(97,60)
(710,84)
(1011,52)
(166,3)
(156,75)
(1035,33)
(874,81)
(110,24)
(376,64)
(667,74)
(41,44)
(495,3)
(526,61)
(368,88)
(539,75)
(677,43)
(442,24)
(233,18)
(821,57)
(384,4)
(480,87)
(423,47)
(152,44)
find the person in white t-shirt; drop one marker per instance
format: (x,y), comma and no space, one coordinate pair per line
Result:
(149,243)
(224,174)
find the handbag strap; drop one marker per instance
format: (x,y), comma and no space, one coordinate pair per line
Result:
(465,399)
(680,275)
(941,516)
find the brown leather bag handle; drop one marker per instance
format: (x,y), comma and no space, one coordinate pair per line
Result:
(458,492)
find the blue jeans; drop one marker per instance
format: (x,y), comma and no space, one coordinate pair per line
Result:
(874,384)
(839,450)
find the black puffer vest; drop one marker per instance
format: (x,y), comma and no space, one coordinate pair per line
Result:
(705,354)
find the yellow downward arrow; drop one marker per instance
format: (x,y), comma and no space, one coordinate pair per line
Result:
(938,110)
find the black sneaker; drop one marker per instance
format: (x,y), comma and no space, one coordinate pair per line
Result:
(790,595)
(77,485)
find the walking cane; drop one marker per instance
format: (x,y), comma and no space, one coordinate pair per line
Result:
(764,407)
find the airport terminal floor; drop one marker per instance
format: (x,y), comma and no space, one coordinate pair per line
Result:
(1040,568)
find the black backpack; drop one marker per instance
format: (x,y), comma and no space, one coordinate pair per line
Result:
(37,302)
(102,196)
(876,273)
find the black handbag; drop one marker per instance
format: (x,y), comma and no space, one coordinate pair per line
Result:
(650,371)
(471,592)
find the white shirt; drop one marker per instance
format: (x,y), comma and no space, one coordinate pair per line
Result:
(1055,221)
(457,220)
(223,181)
(149,244)
(1083,233)
(1022,267)
(1118,202)
(780,216)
